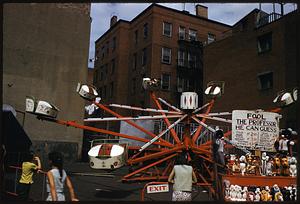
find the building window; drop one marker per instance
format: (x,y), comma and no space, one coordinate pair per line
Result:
(113,66)
(165,81)
(134,61)
(133,90)
(192,35)
(181,33)
(166,55)
(167,29)
(265,81)
(114,43)
(191,61)
(181,58)
(264,43)
(144,57)
(180,82)
(145,30)
(183,84)
(136,35)
(210,38)
(111,90)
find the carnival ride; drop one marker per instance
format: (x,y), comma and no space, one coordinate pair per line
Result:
(107,156)
(155,159)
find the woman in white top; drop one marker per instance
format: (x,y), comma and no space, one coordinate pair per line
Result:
(183,176)
(57,178)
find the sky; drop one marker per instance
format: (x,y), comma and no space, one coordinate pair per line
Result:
(228,13)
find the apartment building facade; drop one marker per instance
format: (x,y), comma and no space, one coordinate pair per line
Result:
(257,61)
(159,43)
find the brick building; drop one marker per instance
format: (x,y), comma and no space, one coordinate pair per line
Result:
(257,61)
(45,53)
(160,42)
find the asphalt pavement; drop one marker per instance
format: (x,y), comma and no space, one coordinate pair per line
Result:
(100,185)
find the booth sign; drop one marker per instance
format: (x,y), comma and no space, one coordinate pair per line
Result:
(158,188)
(256,130)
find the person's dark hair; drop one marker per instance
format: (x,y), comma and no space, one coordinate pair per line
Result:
(181,159)
(56,159)
(287,133)
(28,157)
(219,133)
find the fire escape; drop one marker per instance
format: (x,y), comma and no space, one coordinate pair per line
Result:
(189,67)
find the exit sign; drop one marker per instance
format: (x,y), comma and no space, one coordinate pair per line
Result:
(158,188)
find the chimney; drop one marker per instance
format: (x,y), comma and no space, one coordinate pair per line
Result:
(201,11)
(113,20)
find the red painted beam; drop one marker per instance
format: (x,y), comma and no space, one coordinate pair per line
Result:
(147,178)
(131,123)
(155,155)
(84,127)
(149,166)
(173,133)
(197,133)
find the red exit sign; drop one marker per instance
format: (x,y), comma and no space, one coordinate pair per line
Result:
(158,188)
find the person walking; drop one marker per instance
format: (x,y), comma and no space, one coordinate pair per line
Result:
(182,176)
(28,169)
(57,178)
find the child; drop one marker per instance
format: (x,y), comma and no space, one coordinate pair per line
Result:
(28,168)
(57,178)
(182,176)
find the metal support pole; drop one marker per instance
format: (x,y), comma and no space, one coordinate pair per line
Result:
(84,127)
(131,123)
(150,165)
(203,124)
(131,118)
(156,155)
(202,107)
(196,135)
(173,133)
(162,133)
(215,118)
(144,109)
(166,103)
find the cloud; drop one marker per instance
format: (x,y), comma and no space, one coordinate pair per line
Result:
(228,13)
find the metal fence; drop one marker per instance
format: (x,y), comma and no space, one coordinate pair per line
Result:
(205,135)
(11,180)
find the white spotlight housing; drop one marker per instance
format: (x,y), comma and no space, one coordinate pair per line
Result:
(295,94)
(285,98)
(150,83)
(214,88)
(30,104)
(87,91)
(46,109)
(38,107)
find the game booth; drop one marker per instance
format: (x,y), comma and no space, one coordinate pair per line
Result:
(262,164)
